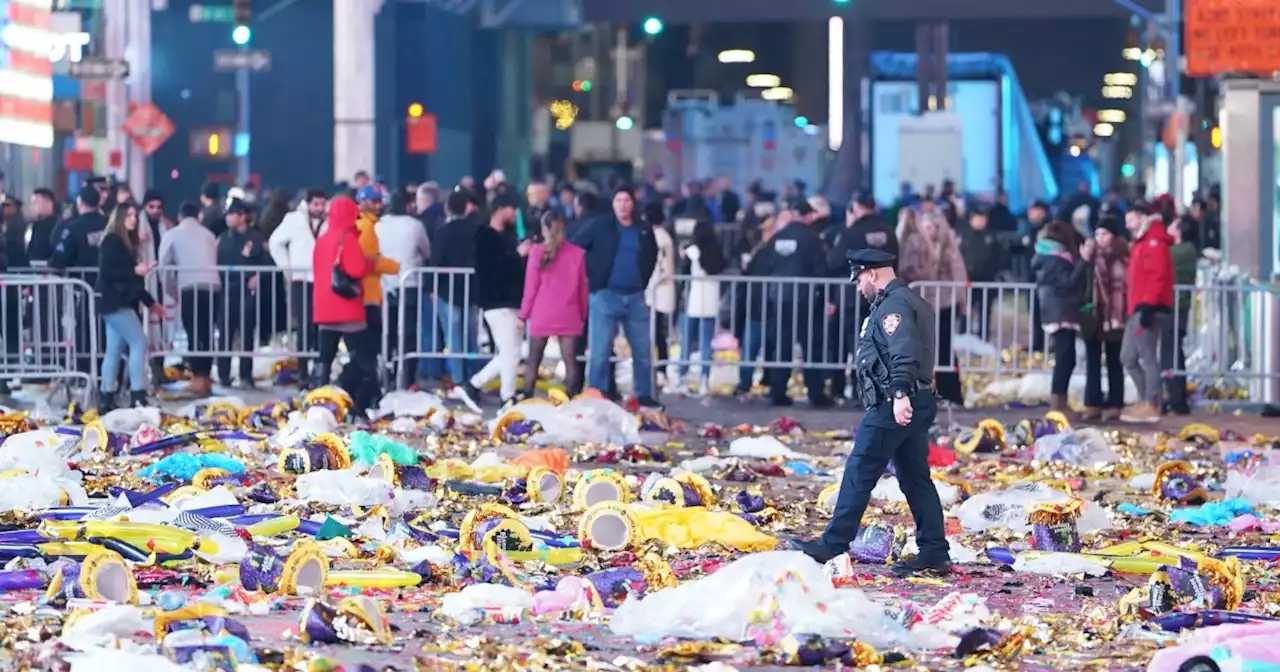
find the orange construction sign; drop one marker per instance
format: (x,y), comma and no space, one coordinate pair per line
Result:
(421,134)
(1232,36)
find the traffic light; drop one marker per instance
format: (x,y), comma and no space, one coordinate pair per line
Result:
(625,123)
(582,85)
(242,16)
(801,122)
(652,25)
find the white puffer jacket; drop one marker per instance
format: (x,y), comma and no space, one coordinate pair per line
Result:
(293,244)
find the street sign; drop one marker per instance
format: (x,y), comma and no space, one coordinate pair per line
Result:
(210,14)
(256,60)
(1231,36)
(99,68)
(148,127)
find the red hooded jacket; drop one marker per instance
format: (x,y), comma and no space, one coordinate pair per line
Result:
(339,238)
(1151,269)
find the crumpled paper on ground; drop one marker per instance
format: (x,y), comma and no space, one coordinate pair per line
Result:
(1058,564)
(888,489)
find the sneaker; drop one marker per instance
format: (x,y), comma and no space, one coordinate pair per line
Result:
(467,394)
(1141,413)
(649,403)
(917,565)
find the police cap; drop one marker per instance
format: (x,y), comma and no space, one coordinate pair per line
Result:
(865,260)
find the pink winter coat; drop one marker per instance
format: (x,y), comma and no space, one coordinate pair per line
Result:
(555,297)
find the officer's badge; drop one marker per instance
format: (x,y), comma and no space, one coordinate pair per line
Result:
(891,322)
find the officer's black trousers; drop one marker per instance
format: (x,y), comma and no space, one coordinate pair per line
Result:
(878,441)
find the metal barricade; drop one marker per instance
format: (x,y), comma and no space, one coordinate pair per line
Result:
(433,326)
(985,327)
(218,313)
(47,325)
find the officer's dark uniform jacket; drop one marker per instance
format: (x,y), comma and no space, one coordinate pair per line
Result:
(794,252)
(895,345)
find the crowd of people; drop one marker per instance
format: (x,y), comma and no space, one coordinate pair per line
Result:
(583,265)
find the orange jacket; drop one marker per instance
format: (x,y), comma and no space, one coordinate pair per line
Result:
(372,283)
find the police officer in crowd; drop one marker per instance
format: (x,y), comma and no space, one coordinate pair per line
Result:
(794,311)
(894,362)
(75,252)
(240,246)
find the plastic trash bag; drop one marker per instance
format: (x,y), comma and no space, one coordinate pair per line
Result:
(469,605)
(130,420)
(580,420)
(407,404)
(763,597)
(1081,447)
(45,447)
(343,488)
(888,489)
(761,448)
(141,660)
(1008,508)
(1261,488)
(24,492)
(302,426)
(1058,564)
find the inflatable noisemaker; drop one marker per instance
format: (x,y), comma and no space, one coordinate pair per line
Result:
(102,575)
(221,414)
(687,489)
(1055,526)
(322,452)
(333,398)
(284,373)
(209,441)
(1200,433)
(539,486)
(1176,481)
(1028,430)
(303,571)
(987,437)
(600,485)
(270,416)
(877,544)
(205,617)
(355,620)
(514,427)
(616,584)
(608,526)
(496,524)
(1209,584)
(212,477)
(409,477)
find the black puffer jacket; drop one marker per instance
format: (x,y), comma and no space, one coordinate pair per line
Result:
(1060,287)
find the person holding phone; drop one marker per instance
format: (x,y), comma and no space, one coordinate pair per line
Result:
(120,289)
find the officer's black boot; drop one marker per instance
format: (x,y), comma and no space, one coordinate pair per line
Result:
(920,565)
(814,549)
(138,399)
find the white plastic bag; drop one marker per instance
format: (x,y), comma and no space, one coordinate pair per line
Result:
(888,489)
(1008,508)
(783,586)
(1058,564)
(1081,447)
(1261,488)
(582,420)
(404,403)
(343,488)
(468,605)
(761,448)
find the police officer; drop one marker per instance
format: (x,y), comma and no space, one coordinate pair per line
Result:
(75,252)
(240,246)
(794,311)
(894,361)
